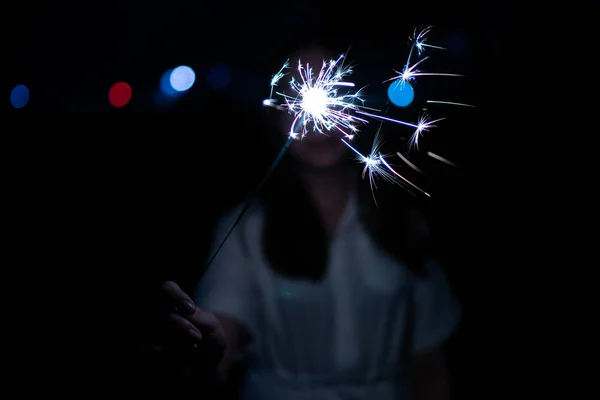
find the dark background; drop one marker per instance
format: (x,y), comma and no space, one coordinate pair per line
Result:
(117,200)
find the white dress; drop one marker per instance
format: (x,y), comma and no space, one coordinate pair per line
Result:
(341,338)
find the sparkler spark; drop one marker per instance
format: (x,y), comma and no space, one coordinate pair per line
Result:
(451,103)
(440,158)
(277,77)
(410,164)
(424,125)
(321,102)
(419,40)
(271,103)
(376,166)
(410,72)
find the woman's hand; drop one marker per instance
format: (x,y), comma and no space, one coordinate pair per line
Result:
(190,327)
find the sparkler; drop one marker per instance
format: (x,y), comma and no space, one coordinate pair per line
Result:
(320,102)
(325,102)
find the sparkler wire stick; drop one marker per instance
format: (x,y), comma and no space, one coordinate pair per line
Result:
(251,200)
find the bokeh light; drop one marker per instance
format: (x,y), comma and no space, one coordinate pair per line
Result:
(165,84)
(19,96)
(120,94)
(219,76)
(401,93)
(182,78)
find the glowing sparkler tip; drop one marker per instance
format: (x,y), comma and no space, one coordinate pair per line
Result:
(266,102)
(314,101)
(320,100)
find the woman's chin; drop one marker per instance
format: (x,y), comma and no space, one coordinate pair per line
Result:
(320,152)
(324,160)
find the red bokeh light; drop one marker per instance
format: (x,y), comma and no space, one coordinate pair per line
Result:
(119,94)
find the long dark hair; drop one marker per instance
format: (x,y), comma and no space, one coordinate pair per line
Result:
(295,242)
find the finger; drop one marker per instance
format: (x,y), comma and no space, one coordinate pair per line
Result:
(178,299)
(186,328)
(208,324)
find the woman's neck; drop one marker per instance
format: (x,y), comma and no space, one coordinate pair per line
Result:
(329,189)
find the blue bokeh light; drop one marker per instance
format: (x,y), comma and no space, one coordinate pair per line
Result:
(182,78)
(19,96)
(165,84)
(401,93)
(219,76)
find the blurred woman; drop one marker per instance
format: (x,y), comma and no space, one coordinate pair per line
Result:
(324,295)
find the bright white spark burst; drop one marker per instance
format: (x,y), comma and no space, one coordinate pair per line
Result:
(321,102)
(325,102)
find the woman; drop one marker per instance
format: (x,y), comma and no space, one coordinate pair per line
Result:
(326,296)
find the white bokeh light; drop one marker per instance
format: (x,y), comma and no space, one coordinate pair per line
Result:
(182,78)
